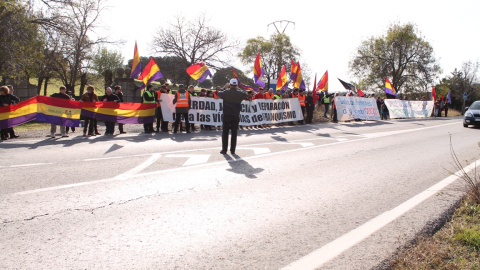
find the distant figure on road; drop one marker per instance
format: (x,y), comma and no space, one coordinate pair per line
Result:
(232,100)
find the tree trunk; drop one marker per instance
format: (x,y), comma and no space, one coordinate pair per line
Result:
(39,85)
(83,83)
(45,86)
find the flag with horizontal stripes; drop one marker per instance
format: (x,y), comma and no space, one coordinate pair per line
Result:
(258,71)
(20,113)
(136,64)
(150,73)
(199,71)
(125,113)
(57,111)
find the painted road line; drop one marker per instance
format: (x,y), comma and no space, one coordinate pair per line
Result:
(193,159)
(29,165)
(331,250)
(142,166)
(256,150)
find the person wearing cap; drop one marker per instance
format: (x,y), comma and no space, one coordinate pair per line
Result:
(182,103)
(232,104)
(260,94)
(149,97)
(301,99)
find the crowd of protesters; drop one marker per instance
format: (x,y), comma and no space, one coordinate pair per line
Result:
(324,101)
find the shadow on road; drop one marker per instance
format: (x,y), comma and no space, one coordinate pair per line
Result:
(240,166)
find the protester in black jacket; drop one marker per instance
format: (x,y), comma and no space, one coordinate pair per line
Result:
(109,97)
(232,104)
(119,93)
(14,100)
(309,106)
(5,100)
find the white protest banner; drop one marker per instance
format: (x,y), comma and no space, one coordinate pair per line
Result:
(209,111)
(351,108)
(408,109)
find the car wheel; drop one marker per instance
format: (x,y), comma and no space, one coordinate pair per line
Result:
(465,125)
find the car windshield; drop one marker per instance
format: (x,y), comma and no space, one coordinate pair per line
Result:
(475,106)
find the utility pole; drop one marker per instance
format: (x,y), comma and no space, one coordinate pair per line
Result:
(279,26)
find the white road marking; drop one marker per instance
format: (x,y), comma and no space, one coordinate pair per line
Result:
(28,165)
(331,250)
(142,166)
(302,144)
(193,159)
(256,150)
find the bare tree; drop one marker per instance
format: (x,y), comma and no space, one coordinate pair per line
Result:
(194,41)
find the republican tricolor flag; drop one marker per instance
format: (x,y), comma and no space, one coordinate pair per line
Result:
(150,73)
(323,83)
(136,65)
(199,71)
(258,71)
(282,79)
(389,88)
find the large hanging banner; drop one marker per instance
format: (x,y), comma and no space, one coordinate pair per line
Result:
(408,109)
(209,111)
(351,108)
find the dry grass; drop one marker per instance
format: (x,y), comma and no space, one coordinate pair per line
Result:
(455,246)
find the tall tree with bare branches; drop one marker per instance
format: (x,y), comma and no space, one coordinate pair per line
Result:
(194,41)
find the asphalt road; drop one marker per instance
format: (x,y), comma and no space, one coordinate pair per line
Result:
(330,196)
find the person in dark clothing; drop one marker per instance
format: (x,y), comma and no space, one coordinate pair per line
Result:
(310,107)
(191,92)
(5,100)
(69,93)
(149,96)
(232,100)
(90,123)
(109,97)
(182,103)
(14,100)
(119,94)
(53,127)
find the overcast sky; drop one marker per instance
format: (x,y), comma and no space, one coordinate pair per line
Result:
(326,32)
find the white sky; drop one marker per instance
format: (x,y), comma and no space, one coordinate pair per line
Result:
(327,32)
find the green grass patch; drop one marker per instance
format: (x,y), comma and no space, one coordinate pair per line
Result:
(469,237)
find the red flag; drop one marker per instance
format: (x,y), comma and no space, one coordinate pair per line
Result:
(282,79)
(323,83)
(360,93)
(434,95)
(315,90)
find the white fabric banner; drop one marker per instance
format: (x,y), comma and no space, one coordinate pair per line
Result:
(209,111)
(408,109)
(351,108)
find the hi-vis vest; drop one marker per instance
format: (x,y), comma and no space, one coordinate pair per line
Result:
(182,100)
(268,95)
(326,99)
(159,94)
(277,96)
(150,94)
(302,100)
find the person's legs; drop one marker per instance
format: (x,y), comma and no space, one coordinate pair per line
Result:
(233,140)
(176,123)
(53,130)
(327,106)
(226,128)
(187,123)
(63,131)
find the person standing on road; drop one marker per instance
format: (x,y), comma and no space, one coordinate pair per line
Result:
(109,97)
(119,94)
(14,100)
(232,100)
(69,94)
(90,123)
(148,97)
(326,103)
(4,101)
(310,106)
(182,103)
(53,127)
(301,99)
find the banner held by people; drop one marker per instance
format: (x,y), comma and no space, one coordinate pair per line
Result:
(408,109)
(351,108)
